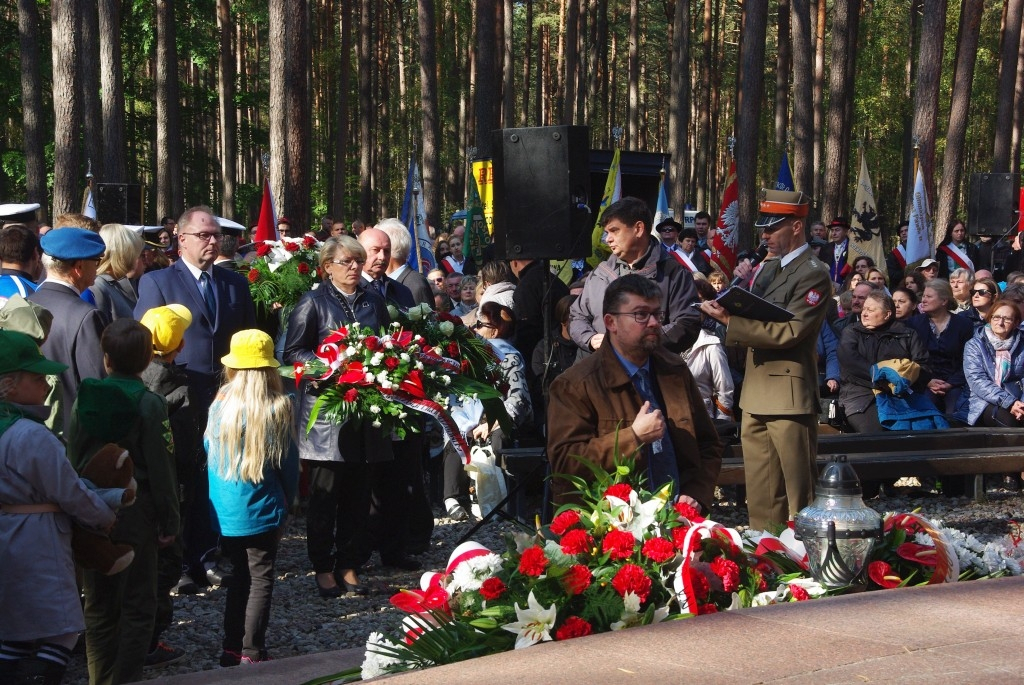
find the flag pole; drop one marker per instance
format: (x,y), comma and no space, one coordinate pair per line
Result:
(415,225)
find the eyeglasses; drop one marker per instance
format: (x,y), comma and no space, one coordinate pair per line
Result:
(480,324)
(986,293)
(641,316)
(1001,319)
(204,237)
(348,263)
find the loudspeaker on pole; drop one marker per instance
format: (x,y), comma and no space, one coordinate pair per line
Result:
(541,192)
(120,203)
(992,206)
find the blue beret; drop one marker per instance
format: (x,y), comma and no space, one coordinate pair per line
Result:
(69,244)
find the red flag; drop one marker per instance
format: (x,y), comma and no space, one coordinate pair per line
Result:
(266,228)
(723,245)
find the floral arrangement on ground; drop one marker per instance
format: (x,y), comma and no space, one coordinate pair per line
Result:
(283,270)
(626,557)
(385,378)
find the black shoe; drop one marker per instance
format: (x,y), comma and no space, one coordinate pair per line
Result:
(327,592)
(185,586)
(403,563)
(229,658)
(163,655)
(218,576)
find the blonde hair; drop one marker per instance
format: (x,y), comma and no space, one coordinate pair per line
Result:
(255,424)
(124,246)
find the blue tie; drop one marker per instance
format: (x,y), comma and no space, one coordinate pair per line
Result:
(207,287)
(662,466)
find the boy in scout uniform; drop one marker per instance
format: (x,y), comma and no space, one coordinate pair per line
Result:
(780,387)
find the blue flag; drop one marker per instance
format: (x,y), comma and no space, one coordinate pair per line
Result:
(414,216)
(785,180)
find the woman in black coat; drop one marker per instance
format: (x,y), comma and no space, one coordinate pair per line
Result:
(875,338)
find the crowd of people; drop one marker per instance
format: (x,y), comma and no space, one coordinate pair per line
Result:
(152,342)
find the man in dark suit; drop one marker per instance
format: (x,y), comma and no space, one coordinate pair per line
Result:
(221,306)
(71,256)
(398,269)
(378,257)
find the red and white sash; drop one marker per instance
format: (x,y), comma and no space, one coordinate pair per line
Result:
(683,259)
(900,254)
(450,266)
(957,255)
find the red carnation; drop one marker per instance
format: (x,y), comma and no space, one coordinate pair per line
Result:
(577,541)
(699,582)
(302,268)
(372,343)
(565,521)
(883,575)
(574,626)
(705,609)
(254,275)
(728,571)
(351,395)
(464,366)
(679,537)
(631,578)
(577,580)
(799,594)
(453,349)
(392,363)
(492,588)
(308,241)
(659,550)
(262,250)
(618,544)
(533,562)
(620,490)
(688,512)
(291,247)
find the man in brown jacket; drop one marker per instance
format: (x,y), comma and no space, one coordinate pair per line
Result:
(634,394)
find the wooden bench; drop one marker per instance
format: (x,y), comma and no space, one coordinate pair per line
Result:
(892,455)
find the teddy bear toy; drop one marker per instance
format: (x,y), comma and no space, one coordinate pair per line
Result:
(110,473)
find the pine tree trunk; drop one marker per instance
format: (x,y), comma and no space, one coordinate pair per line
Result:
(1018,115)
(112,84)
(524,115)
(429,113)
(32,105)
(803,99)
(66,108)
(748,114)
(571,64)
(341,136)
(960,104)
(783,67)
(297,120)
(910,76)
(838,120)
(89,83)
(704,140)
(679,106)
(169,195)
(226,95)
(486,121)
(818,95)
(508,68)
(278,110)
(633,117)
(926,92)
(365,110)
(1008,61)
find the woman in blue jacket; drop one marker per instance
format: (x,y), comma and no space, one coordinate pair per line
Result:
(994,367)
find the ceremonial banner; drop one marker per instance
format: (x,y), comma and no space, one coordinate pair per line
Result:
(483,173)
(89,205)
(414,216)
(919,236)
(612,193)
(477,235)
(663,210)
(723,245)
(865,233)
(266,227)
(785,178)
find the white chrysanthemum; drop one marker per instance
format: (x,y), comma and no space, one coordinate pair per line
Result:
(381,377)
(992,559)
(376,359)
(375,663)
(369,377)
(470,574)
(386,384)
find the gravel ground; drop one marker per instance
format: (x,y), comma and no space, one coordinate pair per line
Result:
(303,623)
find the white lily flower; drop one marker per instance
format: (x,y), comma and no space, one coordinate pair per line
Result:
(813,587)
(630,615)
(534,624)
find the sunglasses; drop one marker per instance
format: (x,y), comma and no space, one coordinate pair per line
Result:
(480,324)
(986,293)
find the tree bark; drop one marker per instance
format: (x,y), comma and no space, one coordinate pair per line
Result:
(571,62)
(341,136)
(633,125)
(704,110)
(66,107)
(679,106)
(783,67)
(508,80)
(429,114)
(278,111)
(818,95)
(226,99)
(960,104)
(297,121)
(32,105)
(926,92)
(748,114)
(89,84)
(112,84)
(1018,115)
(840,79)
(1008,59)
(365,110)
(486,121)
(169,195)
(803,99)
(910,76)
(524,115)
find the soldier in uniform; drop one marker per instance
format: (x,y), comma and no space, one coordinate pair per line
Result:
(780,388)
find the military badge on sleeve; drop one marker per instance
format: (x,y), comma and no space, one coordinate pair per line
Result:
(812,298)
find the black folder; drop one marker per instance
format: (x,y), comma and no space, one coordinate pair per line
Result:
(740,302)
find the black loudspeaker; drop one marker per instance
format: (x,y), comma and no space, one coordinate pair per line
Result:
(992,207)
(541,193)
(119,203)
